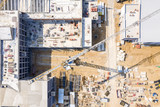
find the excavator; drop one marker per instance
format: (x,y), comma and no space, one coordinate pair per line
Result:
(66,63)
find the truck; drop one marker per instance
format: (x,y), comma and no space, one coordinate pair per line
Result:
(124,104)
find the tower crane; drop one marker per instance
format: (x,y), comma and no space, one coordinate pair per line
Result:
(71,60)
(78,62)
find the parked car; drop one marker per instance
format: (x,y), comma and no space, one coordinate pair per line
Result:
(124,104)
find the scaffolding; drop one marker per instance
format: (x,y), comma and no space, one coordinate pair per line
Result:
(23,50)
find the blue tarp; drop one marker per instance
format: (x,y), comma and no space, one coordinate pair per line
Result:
(61,96)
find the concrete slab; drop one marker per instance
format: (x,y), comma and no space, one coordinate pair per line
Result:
(27,97)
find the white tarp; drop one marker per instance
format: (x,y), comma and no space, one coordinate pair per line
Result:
(5,33)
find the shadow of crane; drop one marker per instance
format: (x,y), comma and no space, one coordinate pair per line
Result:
(78,63)
(144,60)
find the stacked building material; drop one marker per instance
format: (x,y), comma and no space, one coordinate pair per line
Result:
(121,55)
(143,76)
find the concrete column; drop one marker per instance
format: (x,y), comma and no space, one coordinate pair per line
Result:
(40,3)
(29,6)
(11,5)
(23,6)
(37,5)
(17,4)
(43,5)
(4,5)
(26,5)
(34,5)
(20,5)
(7,5)
(47,5)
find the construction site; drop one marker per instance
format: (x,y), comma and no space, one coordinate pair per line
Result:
(79,53)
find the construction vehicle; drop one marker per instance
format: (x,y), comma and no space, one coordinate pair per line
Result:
(65,63)
(2,4)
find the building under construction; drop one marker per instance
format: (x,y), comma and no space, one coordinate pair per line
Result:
(34,24)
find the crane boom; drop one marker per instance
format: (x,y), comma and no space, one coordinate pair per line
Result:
(115,34)
(96,45)
(43,74)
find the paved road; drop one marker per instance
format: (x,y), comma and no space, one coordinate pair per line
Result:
(114,102)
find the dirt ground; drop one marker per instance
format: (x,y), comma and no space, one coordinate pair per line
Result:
(47,59)
(145,59)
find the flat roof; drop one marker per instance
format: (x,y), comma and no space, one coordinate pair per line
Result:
(55,34)
(10,49)
(33,95)
(150,29)
(60,9)
(130,13)
(5,33)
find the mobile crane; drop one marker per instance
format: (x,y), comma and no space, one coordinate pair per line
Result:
(72,59)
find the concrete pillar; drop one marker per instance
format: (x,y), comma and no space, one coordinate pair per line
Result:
(40,5)
(26,5)
(4,5)
(23,6)
(20,5)
(37,5)
(29,6)
(11,4)
(34,5)
(43,5)
(17,4)
(7,5)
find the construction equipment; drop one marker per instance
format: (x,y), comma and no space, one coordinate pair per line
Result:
(94,46)
(78,62)
(2,4)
